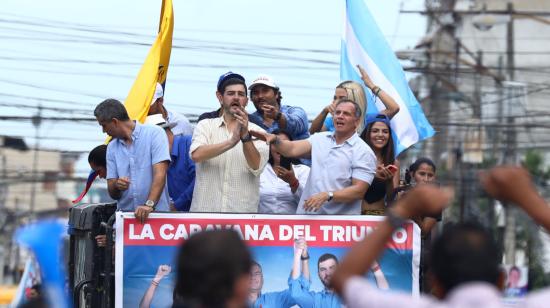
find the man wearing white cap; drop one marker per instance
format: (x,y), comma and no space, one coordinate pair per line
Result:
(181,172)
(266,96)
(183,126)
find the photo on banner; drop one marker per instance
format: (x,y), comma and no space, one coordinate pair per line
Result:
(146,253)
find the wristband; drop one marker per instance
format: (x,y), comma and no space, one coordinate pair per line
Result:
(294,184)
(377,91)
(376,268)
(246,138)
(394,220)
(277,141)
(304,258)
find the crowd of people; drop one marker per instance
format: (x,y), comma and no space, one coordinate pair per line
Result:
(269,161)
(215,268)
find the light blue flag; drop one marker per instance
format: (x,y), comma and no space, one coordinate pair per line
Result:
(44,238)
(363,43)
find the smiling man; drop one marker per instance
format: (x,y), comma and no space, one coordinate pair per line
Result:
(266,96)
(342,168)
(228,161)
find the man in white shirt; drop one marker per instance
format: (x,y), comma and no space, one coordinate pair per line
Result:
(342,167)
(228,161)
(183,126)
(465,260)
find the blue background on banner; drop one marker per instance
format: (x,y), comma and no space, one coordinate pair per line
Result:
(141,263)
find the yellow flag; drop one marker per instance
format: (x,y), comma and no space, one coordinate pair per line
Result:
(154,69)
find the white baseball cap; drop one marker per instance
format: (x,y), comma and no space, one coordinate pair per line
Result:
(157,119)
(265,80)
(159,92)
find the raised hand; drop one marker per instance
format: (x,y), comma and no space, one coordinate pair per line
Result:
(163,270)
(508,184)
(365,77)
(423,201)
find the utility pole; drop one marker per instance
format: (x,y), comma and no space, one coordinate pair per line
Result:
(510,153)
(36,122)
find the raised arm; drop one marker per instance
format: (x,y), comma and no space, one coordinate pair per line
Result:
(147,298)
(317,125)
(392,108)
(513,184)
(424,200)
(298,148)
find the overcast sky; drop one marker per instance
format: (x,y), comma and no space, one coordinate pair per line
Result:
(70,55)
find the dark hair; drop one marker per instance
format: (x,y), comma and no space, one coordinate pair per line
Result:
(388,151)
(98,156)
(326,256)
(111,109)
(279,95)
(209,264)
(464,252)
(277,131)
(230,82)
(357,108)
(414,167)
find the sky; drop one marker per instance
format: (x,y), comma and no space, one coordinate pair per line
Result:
(68,56)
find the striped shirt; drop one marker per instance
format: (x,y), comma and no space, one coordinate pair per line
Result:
(226,183)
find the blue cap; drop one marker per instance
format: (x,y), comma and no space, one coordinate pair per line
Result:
(227,76)
(371,118)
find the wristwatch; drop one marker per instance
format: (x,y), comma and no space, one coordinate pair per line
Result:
(330,196)
(246,138)
(150,203)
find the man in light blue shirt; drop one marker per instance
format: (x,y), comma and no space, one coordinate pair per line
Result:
(299,287)
(137,161)
(343,165)
(257,299)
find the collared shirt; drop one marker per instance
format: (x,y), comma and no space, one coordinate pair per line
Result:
(181,174)
(360,293)
(226,183)
(276,197)
(216,114)
(299,290)
(183,126)
(149,146)
(333,168)
(296,122)
(280,299)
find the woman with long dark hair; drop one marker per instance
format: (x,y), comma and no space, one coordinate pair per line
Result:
(378,136)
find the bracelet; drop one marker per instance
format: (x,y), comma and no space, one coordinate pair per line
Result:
(394,220)
(375,269)
(376,90)
(277,141)
(294,184)
(278,116)
(304,258)
(155,283)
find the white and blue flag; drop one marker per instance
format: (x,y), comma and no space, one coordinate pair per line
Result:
(364,44)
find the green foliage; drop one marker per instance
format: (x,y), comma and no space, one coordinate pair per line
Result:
(534,163)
